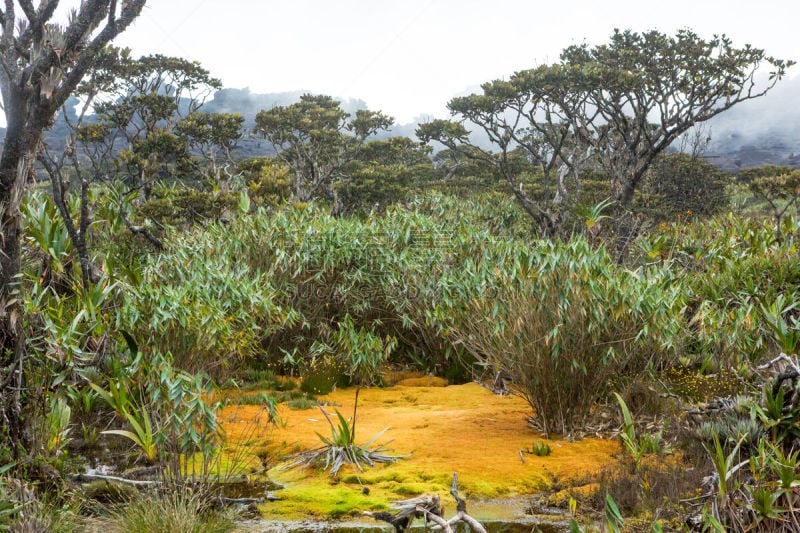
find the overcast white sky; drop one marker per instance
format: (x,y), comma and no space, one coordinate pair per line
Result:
(409,57)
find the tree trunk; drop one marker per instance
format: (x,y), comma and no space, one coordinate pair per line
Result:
(33,89)
(627,228)
(14,173)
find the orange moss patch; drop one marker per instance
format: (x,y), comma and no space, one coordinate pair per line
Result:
(393,377)
(464,429)
(424,381)
(580,493)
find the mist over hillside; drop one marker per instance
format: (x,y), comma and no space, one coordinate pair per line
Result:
(247,104)
(756,132)
(761,131)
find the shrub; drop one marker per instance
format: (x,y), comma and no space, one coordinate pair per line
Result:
(171,414)
(563,321)
(360,352)
(731,266)
(679,183)
(186,207)
(202,306)
(169,512)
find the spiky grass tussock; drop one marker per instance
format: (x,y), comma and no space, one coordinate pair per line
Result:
(173,511)
(340,448)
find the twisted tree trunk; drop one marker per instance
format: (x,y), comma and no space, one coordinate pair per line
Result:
(41,64)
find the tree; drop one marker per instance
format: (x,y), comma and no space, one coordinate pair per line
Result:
(316,138)
(464,162)
(642,91)
(395,151)
(134,138)
(678,183)
(526,122)
(214,136)
(41,65)
(148,98)
(384,172)
(781,192)
(84,156)
(622,104)
(683,182)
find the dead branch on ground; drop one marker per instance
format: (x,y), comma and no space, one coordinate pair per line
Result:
(429,508)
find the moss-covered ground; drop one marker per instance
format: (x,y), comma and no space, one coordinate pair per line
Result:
(459,428)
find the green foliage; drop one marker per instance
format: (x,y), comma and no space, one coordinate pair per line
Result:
(142,435)
(763,498)
(316,138)
(8,506)
(284,282)
(179,510)
(361,352)
(118,397)
(171,413)
(58,420)
(384,172)
(710,75)
(182,208)
(628,434)
(561,319)
(215,129)
(269,181)
(539,449)
(214,136)
(781,318)
(518,118)
(206,308)
(141,100)
(614,520)
(322,377)
(749,174)
(781,192)
(779,417)
(340,448)
(725,467)
(640,446)
(610,106)
(679,183)
(732,267)
(374,187)
(46,232)
(729,429)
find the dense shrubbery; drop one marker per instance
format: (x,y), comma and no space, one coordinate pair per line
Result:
(730,267)
(439,282)
(285,285)
(567,325)
(678,183)
(290,286)
(299,289)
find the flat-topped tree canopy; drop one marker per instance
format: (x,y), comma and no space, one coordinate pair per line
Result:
(620,104)
(644,90)
(316,138)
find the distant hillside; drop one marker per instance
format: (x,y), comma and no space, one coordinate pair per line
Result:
(248,104)
(762,131)
(754,133)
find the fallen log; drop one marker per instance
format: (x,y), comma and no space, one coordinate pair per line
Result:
(429,508)
(84,478)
